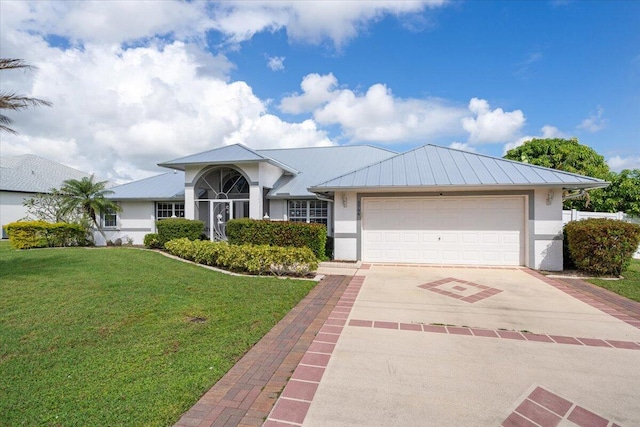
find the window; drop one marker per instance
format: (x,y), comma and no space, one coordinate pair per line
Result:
(110,218)
(309,211)
(169,210)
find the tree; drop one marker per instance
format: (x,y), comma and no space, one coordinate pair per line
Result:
(88,196)
(12,101)
(562,154)
(50,207)
(570,156)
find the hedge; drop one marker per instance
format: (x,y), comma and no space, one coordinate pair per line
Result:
(602,246)
(262,259)
(152,241)
(278,233)
(177,228)
(42,234)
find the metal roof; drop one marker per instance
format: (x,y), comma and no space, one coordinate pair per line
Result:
(318,164)
(229,154)
(29,173)
(436,166)
(168,186)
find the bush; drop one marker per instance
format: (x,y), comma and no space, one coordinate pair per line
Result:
(41,234)
(262,259)
(602,246)
(177,228)
(278,233)
(152,241)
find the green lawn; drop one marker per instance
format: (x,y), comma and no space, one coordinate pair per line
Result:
(106,337)
(629,286)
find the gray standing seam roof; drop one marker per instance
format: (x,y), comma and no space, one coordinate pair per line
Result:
(168,186)
(229,154)
(317,164)
(29,173)
(435,166)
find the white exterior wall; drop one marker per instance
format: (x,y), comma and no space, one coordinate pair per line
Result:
(547,230)
(136,220)
(278,209)
(345,227)
(11,209)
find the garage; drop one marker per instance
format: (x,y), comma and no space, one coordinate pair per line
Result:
(444,230)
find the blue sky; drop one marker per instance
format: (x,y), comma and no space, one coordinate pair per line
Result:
(137,83)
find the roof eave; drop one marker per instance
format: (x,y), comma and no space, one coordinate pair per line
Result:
(182,166)
(464,187)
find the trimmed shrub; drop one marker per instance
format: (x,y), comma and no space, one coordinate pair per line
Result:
(278,233)
(177,228)
(152,241)
(260,260)
(602,246)
(42,234)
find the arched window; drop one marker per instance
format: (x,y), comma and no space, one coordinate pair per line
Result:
(222,183)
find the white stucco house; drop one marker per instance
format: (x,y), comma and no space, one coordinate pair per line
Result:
(22,177)
(431,205)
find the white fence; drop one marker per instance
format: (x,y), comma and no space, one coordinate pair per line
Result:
(574,215)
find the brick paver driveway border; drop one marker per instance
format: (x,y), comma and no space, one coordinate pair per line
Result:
(247,393)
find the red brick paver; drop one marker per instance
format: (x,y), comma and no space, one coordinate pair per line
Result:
(247,393)
(546,409)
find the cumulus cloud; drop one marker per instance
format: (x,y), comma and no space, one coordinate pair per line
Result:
(120,110)
(491,126)
(594,122)
(310,21)
(547,131)
(376,115)
(110,22)
(116,22)
(463,146)
(275,63)
(618,163)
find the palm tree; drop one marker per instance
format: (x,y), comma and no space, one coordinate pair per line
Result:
(88,196)
(12,101)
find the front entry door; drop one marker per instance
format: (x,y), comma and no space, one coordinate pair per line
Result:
(221,211)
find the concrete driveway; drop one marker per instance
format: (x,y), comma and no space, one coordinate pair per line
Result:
(422,346)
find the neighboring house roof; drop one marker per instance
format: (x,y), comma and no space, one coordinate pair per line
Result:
(29,173)
(435,166)
(168,186)
(229,154)
(318,164)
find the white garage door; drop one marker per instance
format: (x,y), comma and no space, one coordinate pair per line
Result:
(440,230)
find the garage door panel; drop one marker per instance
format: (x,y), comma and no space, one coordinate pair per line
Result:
(466,230)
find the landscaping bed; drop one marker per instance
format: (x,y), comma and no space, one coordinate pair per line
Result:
(122,336)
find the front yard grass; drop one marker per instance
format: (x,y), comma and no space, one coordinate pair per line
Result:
(629,286)
(121,336)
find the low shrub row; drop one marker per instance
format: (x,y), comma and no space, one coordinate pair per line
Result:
(252,259)
(41,234)
(278,233)
(177,228)
(602,246)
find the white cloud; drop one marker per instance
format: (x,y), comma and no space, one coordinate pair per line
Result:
(463,146)
(594,122)
(118,110)
(491,126)
(109,22)
(310,21)
(548,131)
(115,22)
(275,63)
(375,115)
(618,163)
